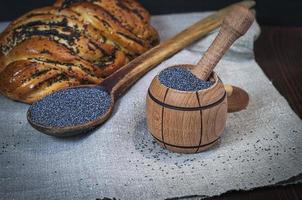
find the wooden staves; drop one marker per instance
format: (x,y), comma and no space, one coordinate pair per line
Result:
(186,122)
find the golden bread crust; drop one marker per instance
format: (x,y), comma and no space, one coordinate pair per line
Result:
(71,43)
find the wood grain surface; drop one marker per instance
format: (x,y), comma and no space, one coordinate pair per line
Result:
(279,53)
(291,192)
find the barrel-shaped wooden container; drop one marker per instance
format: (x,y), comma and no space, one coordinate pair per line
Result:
(186,122)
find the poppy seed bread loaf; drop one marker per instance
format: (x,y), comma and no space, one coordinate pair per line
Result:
(71,43)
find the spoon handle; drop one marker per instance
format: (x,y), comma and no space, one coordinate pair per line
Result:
(235,24)
(119,81)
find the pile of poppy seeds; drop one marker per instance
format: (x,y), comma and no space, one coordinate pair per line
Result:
(182,79)
(70,107)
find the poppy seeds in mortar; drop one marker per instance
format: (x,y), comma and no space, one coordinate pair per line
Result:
(182,79)
(70,107)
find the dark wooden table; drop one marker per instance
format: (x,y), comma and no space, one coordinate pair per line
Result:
(278,51)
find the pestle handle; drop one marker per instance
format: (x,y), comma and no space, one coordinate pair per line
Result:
(235,24)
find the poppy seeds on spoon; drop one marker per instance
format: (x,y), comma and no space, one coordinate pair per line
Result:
(182,79)
(71,107)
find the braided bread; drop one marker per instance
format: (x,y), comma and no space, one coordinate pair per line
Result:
(71,43)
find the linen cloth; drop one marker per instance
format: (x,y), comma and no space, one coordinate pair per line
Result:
(260,145)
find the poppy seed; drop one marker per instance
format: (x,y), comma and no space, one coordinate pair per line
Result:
(71,107)
(182,79)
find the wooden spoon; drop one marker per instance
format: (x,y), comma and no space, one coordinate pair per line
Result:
(121,80)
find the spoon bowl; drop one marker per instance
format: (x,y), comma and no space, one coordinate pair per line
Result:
(66,131)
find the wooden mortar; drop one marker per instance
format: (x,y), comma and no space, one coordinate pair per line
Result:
(186,122)
(193,121)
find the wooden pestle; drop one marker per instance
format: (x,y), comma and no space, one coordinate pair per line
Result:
(235,24)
